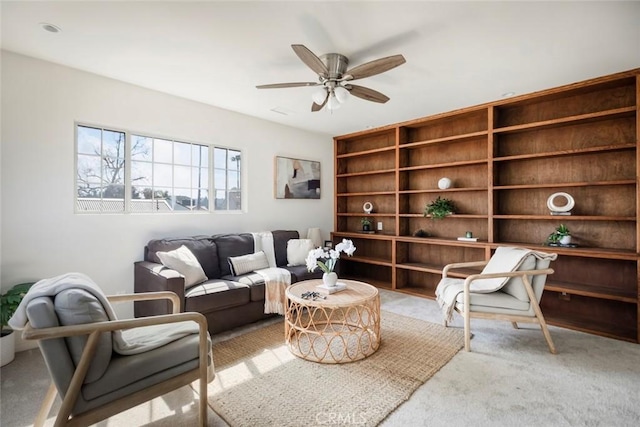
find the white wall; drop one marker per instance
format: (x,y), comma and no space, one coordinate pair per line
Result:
(41,235)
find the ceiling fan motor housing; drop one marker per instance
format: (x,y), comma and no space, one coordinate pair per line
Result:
(336,64)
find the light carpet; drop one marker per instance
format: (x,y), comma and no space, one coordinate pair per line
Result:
(259,382)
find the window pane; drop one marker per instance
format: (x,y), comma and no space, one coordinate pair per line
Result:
(235,200)
(201,197)
(162,150)
(221,200)
(220,158)
(141,148)
(200,179)
(234,160)
(182,176)
(181,153)
(200,155)
(113,191)
(88,190)
(141,173)
(89,140)
(219,180)
(113,171)
(162,175)
(233,180)
(113,144)
(89,169)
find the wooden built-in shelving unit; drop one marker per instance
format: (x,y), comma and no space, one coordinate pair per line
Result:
(505,159)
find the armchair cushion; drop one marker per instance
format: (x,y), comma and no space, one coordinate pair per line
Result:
(514,285)
(78,307)
(496,299)
(184,262)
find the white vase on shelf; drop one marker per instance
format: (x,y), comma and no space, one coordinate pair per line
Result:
(330,279)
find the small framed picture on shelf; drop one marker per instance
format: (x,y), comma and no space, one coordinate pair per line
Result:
(328,244)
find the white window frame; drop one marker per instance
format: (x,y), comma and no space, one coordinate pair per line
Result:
(128,184)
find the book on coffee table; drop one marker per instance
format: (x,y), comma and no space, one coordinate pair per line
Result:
(328,290)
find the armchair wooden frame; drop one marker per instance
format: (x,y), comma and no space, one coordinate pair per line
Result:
(467,314)
(204,372)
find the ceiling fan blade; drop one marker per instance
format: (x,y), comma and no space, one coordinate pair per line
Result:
(375,67)
(366,93)
(282,85)
(316,107)
(311,60)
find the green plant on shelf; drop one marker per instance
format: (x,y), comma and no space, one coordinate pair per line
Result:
(366,224)
(439,208)
(561,236)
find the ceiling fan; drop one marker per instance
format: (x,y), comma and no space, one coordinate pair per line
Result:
(335,79)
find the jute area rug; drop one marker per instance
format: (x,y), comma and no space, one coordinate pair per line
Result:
(260,383)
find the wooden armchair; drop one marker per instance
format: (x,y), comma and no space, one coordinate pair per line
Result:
(516,300)
(93,380)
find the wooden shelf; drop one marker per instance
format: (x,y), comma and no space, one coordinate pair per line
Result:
(591,291)
(564,184)
(574,152)
(601,115)
(444,165)
(365,173)
(365,152)
(562,218)
(505,159)
(366,260)
(367,193)
(447,190)
(372,214)
(454,138)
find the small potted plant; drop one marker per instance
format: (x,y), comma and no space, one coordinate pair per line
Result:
(9,302)
(439,208)
(366,224)
(561,236)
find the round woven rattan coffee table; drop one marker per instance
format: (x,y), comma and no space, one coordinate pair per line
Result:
(343,327)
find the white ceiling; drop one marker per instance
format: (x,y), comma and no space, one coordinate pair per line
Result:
(458,53)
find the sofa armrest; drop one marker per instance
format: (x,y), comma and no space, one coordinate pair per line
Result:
(153,277)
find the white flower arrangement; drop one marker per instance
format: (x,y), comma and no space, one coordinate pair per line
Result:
(330,256)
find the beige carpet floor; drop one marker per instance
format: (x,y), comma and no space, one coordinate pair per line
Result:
(259,382)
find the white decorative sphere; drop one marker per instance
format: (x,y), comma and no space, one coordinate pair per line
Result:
(444,183)
(367,207)
(569,202)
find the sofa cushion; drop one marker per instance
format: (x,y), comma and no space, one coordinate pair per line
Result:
(247,263)
(232,245)
(203,247)
(280,240)
(255,282)
(184,262)
(300,273)
(78,307)
(216,295)
(297,251)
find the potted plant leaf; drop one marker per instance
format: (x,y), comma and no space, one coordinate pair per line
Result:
(561,236)
(366,224)
(9,302)
(439,208)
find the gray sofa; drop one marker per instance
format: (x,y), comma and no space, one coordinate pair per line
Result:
(227,301)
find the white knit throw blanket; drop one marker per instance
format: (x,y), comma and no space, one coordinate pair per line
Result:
(276,279)
(127,342)
(505,260)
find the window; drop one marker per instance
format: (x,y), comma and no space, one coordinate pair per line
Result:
(100,168)
(121,172)
(168,175)
(226,180)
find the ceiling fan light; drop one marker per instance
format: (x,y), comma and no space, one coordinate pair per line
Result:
(333,103)
(341,93)
(319,96)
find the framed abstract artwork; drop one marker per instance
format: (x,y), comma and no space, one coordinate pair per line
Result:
(296,178)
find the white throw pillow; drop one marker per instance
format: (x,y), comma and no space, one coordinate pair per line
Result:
(248,263)
(297,251)
(184,262)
